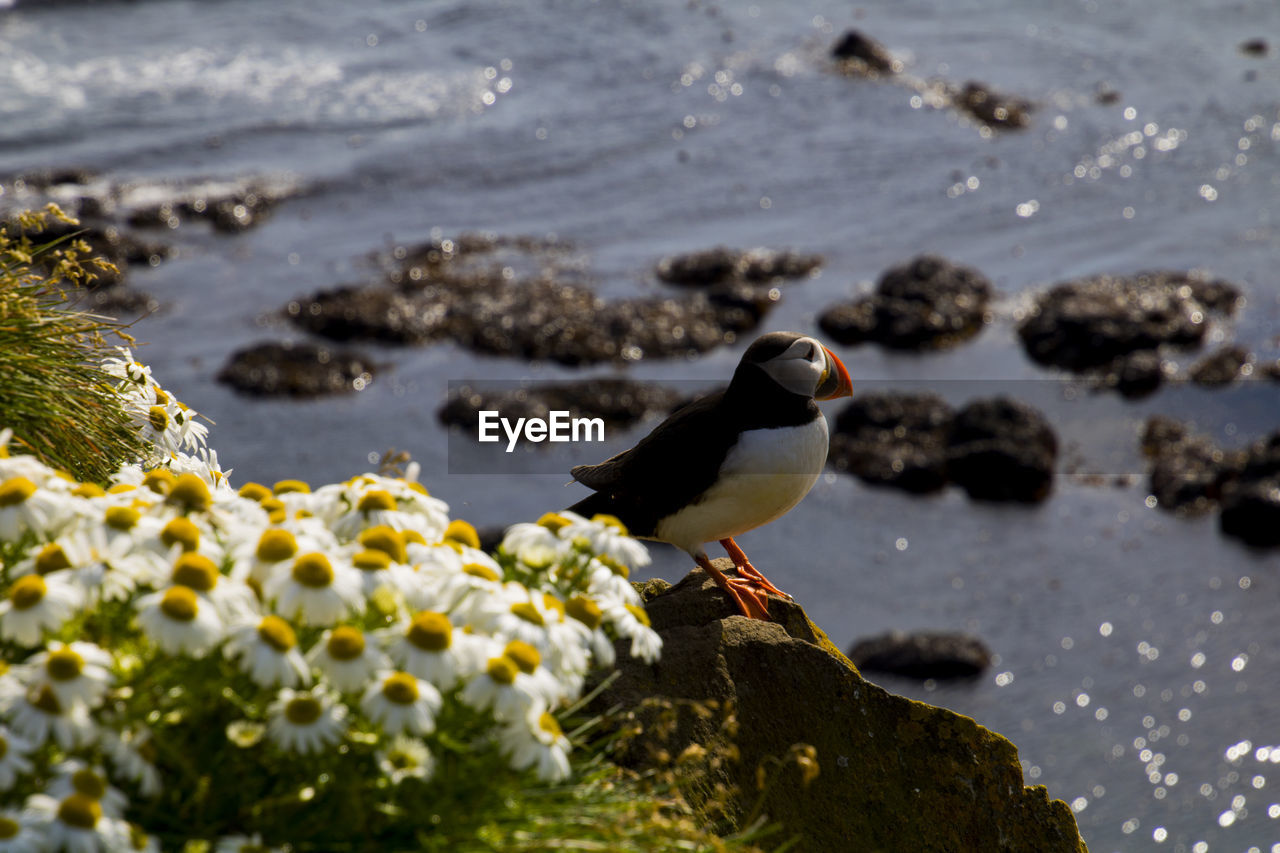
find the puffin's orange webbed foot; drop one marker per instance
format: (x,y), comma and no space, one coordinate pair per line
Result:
(750,602)
(748,571)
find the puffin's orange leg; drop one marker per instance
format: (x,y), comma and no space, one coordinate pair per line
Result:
(746,569)
(751,604)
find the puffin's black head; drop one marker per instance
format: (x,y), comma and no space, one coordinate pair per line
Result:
(796,363)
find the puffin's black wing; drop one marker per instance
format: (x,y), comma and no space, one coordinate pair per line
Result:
(669,468)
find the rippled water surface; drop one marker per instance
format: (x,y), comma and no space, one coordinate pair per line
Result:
(1138,651)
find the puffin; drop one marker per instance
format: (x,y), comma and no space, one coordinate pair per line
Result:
(727,462)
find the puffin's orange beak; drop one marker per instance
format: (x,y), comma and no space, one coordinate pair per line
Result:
(835,379)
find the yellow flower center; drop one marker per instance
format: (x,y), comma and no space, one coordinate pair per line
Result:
(401,688)
(383,538)
(191,493)
(345,643)
(4,747)
(313,570)
(641,616)
(523,655)
(182,532)
(303,710)
(430,631)
(502,670)
(88,490)
(277,633)
(45,700)
(80,811)
(371,560)
(614,566)
(550,602)
(414,537)
(285,486)
(89,783)
(27,591)
(553,521)
(550,725)
(254,491)
(9,828)
(196,571)
(162,396)
(585,610)
(610,521)
(419,488)
(463,533)
(275,545)
(179,604)
(480,570)
(51,558)
(121,517)
(526,611)
(16,490)
(121,488)
(376,500)
(158,418)
(64,664)
(159,480)
(276,512)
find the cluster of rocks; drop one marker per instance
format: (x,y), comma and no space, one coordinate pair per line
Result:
(118,219)
(296,369)
(619,402)
(473,292)
(927,302)
(1113,328)
(996,449)
(937,655)
(857,54)
(1191,474)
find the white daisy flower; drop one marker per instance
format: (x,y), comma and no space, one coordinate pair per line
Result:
(608,581)
(542,683)
(347,660)
(268,652)
(18,833)
(423,649)
(608,536)
(400,703)
(305,721)
(316,591)
(108,559)
(79,672)
(406,758)
(26,507)
(537,545)
(38,603)
(127,369)
(76,777)
(587,612)
(234,601)
(14,757)
(536,740)
(517,614)
(632,623)
(76,824)
(133,754)
(370,508)
(179,622)
(501,687)
(377,570)
(37,715)
(244,844)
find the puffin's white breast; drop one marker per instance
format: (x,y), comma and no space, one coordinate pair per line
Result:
(766,473)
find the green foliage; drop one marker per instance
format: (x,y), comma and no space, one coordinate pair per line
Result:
(53,394)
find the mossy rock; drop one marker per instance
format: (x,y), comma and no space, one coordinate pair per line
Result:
(894,774)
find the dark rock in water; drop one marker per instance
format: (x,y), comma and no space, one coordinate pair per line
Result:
(1105,95)
(516,298)
(1138,374)
(1002,450)
(883,760)
(922,654)
(296,370)
(1251,501)
(720,265)
(1188,471)
(864,54)
(992,108)
(927,302)
(1088,323)
(620,403)
(1270,369)
(1222,367)
(1255,47)
(895,440)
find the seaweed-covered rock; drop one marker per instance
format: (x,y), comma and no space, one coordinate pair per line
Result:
(894,439)
(716,266)
(1222,367)
(993,108)
(292,369)
(619,402)
(858,53)
(926,302)
(1137,374)
(922,654)
(1002,450)
(1188,470)
(884,760)
(1088,323)
(1251,501)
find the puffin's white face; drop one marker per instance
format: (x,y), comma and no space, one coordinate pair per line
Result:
(800,368)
